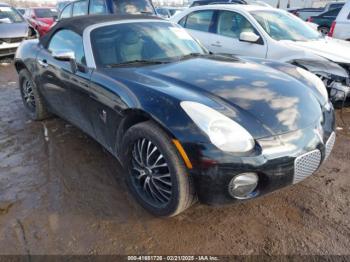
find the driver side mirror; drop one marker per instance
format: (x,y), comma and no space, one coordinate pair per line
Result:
(66,56)
(249,37)
(63,55)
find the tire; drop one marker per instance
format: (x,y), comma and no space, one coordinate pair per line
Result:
(31,98)
(323,30)
(140,138)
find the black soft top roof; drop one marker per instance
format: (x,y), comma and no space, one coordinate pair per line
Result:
(79,23)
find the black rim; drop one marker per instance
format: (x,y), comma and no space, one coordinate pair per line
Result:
(28,94)
(150,173)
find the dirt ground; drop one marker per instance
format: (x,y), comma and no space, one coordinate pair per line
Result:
(61,193)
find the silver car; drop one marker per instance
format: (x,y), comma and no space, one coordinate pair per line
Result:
(13,30)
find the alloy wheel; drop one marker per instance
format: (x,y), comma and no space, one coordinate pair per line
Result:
(28,94)
(150,173)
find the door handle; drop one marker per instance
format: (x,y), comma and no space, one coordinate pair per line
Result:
(43,63)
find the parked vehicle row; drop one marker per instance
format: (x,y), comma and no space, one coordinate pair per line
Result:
(13,30)
(185,124)
(324,20)
(95,7)
(41,18)
(305,13)
(269,33)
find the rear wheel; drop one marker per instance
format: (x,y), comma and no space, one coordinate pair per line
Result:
(156,174)
(32,100)
(323,30)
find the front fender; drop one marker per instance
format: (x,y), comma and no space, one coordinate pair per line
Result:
(321,66)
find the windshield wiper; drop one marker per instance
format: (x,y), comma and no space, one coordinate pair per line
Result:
(136,62)
(190,55)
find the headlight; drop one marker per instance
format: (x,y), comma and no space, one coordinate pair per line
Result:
(223,132)
(315,80)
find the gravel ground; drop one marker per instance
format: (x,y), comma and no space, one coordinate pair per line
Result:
(61,193)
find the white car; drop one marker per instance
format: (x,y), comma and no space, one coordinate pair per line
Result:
(269,33)
(341,26)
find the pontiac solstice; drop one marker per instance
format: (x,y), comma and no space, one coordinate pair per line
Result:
(186,125)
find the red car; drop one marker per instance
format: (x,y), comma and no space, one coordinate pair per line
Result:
(41,18)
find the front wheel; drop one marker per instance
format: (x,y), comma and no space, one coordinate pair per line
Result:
(32,99)
(156,174)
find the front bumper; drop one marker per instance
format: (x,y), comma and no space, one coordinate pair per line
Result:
(279,161)
(7,49)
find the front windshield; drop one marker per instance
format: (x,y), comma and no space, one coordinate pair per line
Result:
(142,41)
(45,13)
(9,15)
(284,26)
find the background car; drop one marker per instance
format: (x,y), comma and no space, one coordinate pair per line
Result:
(341,26)
(183,122)
(13,30)
(305,13)
(41,18)
(61,4)
(167,12)
(324,20)
(93,7)
(210,2)
(270,33)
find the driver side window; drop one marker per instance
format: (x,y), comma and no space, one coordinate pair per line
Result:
(68,40)
(232,24)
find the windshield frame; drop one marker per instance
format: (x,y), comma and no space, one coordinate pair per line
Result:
(253,14)
(18,14)
(87,41)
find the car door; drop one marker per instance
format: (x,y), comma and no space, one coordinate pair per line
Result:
(200,24)
(65,84)
(229,26)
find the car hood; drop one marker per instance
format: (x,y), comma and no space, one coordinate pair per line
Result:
(278,102)
(333,49)
(13,30)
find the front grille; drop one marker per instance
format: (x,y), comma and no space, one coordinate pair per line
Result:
(305,165)
(12,40)
(329,145)
(8,51)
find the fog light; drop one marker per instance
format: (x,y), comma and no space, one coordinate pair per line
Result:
(243,185)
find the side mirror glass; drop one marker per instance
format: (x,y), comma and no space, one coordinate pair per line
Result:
(249,37)
(64,55)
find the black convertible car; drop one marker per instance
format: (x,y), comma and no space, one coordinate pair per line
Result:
(186,125)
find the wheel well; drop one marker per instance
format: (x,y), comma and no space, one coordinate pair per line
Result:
(19,66)
(131,118)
